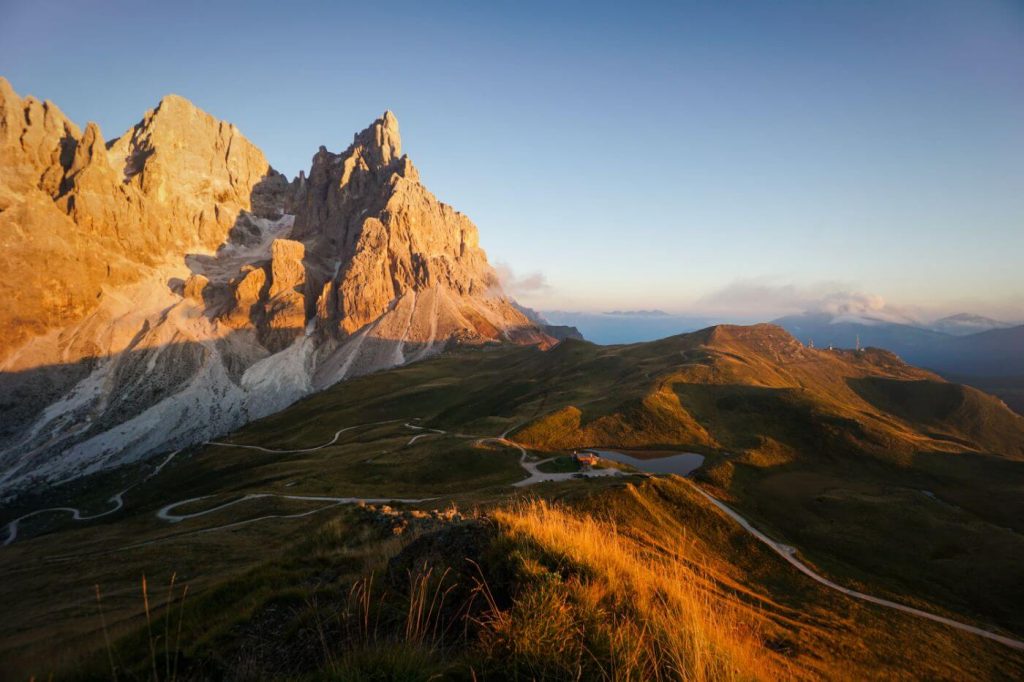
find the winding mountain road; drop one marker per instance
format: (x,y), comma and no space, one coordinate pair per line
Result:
(535,475)
(76,514)
(332,441)
(789,554)
(426,432)
(165,513)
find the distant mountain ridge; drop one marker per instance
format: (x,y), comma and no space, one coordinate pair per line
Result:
(966,323)
(638,313)
(169,285)
(994,352)
(559,332)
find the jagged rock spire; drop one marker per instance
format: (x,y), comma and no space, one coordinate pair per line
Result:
(381,141)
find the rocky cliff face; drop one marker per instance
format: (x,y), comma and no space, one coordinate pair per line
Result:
(169,285)
(78,215)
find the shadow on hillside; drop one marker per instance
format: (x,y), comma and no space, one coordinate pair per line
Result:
(742,417)
(920,400)
(109,390)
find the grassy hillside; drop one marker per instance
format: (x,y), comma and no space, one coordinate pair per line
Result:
(1009,389)
(632,582)
(757,389)
(885,478)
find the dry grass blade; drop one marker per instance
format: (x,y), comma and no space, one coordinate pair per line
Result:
(177,639)
(167,628)
(106,634)
(149,627)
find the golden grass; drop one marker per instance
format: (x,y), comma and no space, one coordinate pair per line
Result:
(657,418)
(640,614)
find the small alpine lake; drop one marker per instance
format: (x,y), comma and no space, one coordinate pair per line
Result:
(681,464)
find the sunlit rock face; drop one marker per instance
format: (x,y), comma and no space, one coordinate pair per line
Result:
(169,285)
(80,215)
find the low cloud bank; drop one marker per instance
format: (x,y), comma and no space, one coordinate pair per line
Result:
(768,299)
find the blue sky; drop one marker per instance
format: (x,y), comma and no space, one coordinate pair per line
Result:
(732,159)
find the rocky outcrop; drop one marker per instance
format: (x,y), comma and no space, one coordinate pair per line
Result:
(101,215)
(287,271)
(168,286)
(387,239)
(37,144)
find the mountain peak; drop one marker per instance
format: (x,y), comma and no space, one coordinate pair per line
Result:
(356,269)
(172,102)
(381,141)
(963,324)
(36,142)
(174,111)
(7,90)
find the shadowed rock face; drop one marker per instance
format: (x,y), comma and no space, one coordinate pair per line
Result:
(169,285)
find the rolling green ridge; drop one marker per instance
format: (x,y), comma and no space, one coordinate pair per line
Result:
(886,478)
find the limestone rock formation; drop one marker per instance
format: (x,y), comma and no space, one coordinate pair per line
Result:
(168,286)
(97,214)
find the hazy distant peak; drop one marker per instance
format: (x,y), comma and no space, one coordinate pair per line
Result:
(638,313)
(533,315)
(962,324)
(970,318)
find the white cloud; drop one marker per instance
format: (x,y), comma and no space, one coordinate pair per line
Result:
(514,285)
(861,307)
(756,295)
(767,297)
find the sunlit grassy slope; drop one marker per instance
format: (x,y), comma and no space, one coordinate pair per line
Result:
(758,390)
(641,581)
(649,610)
(884,474)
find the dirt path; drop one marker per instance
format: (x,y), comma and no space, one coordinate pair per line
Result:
(789,554)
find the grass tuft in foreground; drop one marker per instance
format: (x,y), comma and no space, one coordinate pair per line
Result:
(602,606)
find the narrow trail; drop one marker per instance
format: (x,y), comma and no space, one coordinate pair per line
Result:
(76,514)
(427,432)
(165,513)
(789,554)
(275,451)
